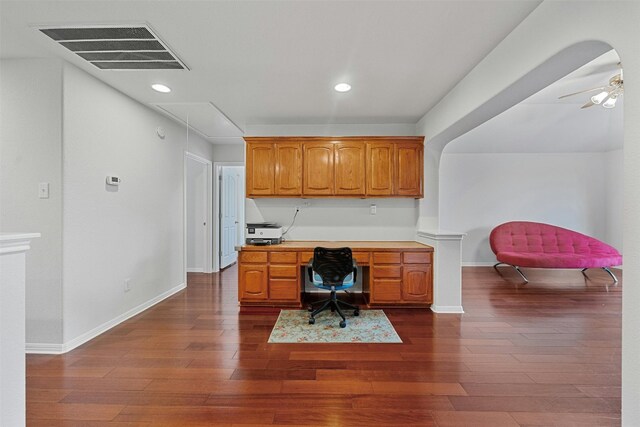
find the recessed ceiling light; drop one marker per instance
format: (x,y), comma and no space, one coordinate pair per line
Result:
(161,88)
(342,87)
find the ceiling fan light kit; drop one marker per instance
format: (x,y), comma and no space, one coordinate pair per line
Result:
(611,102)
(608,95)
(597,99)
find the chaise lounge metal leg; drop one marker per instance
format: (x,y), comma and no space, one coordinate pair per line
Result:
(613,276)
(521,273)
(495,266)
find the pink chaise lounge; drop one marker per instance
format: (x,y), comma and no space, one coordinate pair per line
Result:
(537,245)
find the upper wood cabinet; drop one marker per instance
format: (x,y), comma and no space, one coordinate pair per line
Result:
(408,169)
(380,166)
(261,172)
(334,167)
(350,168)
(318,168)
(288,168)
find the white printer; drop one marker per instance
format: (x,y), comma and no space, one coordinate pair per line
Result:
(263,233)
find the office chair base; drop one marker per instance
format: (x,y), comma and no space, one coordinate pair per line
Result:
(334,304)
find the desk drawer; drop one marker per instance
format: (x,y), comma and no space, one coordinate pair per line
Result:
(284,290)
(361,257)
(253,257)
(416,257)
(386,291)
(283,271)
(283,257)
(386,257)
(387,271)
(305,257)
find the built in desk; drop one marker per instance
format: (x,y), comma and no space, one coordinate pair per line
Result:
(394,273)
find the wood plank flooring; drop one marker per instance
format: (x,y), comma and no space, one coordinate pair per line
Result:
(542,354)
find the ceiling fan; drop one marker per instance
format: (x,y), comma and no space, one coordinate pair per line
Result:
(607,96)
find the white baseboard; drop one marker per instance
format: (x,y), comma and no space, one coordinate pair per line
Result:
(43,348)
(479,264)
(195,270)
(447,309)
(36,348)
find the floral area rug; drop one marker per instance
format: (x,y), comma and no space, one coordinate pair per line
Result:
(372,326)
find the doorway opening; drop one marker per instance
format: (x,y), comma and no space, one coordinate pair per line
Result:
(229,212)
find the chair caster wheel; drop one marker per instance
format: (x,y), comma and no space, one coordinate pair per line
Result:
(343,324)
(356,313)
(312,321)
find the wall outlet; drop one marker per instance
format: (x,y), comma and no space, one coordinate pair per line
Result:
(373,209)
(127,285)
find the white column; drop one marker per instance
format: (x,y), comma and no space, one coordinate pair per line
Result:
(447,276)
(12,318)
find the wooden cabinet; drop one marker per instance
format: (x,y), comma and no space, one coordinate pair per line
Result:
(403,278)
(408,169)
(288,169)
(416,283)
(334,167)
(318,169)
(392,274)
(350,168)
(260,174)
(380,167)
(253,282)
(269,279)
(284,277)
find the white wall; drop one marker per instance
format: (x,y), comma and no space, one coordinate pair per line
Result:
(198,145)
(479,191)
(228,152)
(31,152)
(135,232)
(614,197)
(341,219)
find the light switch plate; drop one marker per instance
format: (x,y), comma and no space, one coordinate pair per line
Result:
(43,190)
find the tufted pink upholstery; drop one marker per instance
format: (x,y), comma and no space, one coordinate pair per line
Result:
(533,244)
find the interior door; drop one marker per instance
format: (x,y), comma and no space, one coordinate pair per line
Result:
(230,218)
(196,215)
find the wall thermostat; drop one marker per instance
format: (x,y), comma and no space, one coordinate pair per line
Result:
(113,180)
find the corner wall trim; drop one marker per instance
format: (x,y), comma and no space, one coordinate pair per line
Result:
(447,309)
(37,348)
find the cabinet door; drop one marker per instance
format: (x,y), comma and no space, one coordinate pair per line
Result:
(350,168)
(385,291)
(379,168)
(408,170)
(288,169)
(417,283)
(260,170)
(253,282)
(318,169)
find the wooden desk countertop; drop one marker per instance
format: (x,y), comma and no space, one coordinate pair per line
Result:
(309,245)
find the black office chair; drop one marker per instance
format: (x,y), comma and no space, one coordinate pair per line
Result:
(333,270)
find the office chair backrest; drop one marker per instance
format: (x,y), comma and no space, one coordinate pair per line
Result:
(333,265)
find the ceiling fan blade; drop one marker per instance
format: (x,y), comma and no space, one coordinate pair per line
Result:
(583,91)
(590,103)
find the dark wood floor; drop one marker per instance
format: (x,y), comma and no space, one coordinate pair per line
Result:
(547,353)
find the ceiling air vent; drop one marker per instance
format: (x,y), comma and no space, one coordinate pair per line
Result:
(117,48)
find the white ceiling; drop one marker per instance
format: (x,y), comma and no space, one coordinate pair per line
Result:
(545,124)
(276,62)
